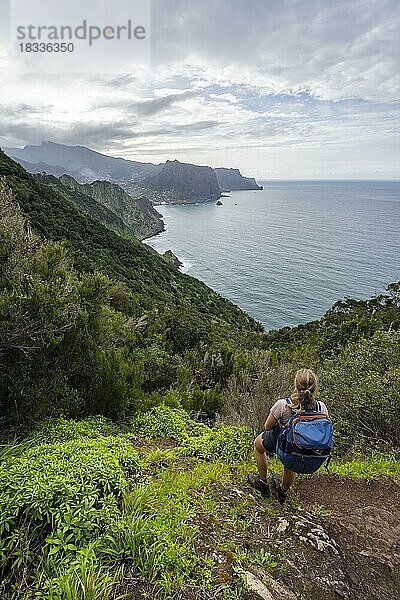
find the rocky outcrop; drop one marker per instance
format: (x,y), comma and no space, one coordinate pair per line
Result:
(184,183)
(137,214)
(232,179)
(171,259)
(172,182)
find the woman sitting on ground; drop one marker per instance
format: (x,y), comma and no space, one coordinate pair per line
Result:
(302,399)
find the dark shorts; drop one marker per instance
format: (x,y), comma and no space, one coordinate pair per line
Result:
(269,438)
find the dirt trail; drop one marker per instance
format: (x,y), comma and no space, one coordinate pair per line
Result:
(344,539)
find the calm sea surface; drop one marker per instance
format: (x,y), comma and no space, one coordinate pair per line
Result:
(287,253)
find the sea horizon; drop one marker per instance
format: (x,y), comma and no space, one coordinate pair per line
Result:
(349,249)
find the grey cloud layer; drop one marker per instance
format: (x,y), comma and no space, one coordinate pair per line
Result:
(233,79)
(319,44)
(156,105)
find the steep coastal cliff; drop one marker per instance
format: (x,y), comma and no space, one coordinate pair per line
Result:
(232,180)
(137,214)
(185,183)
(170,182)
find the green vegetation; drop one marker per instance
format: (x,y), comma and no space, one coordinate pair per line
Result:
(369,466)
(144,498)
(151,282)
(227,443)
(58,501)
(85,508)
(89,205)
(84,515)
(163,421)
(93,323)
(362,386)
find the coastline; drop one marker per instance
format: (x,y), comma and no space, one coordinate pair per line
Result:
(243,249)
(185,265)
(152,234)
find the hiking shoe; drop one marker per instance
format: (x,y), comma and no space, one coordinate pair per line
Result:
(259,484)
(281,495)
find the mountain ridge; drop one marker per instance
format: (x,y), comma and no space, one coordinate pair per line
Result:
(136,177)
(137,213)
(85,161)
(184,183)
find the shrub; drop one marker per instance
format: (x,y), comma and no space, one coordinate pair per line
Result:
(65,430)
(227,442)
(362,390)
(165,422)
(56,499)
(208,402)
(254,388)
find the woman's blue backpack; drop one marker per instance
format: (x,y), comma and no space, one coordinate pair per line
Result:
(306,441)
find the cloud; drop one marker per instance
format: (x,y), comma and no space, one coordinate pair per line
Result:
(18,132)
(233,82)
(346,48)
(150,107)
(23,110)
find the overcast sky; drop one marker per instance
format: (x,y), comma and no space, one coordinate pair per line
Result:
(280,88)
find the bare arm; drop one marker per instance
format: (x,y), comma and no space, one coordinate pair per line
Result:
(270,422)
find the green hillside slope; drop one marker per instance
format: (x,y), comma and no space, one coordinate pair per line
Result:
(144,501)
(137,214)
(160,509)
(139,266)
(90,206)
(91,322)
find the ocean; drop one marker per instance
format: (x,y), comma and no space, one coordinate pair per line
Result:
(288,253)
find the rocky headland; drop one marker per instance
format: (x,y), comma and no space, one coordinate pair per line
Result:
(233,180)
(173,182)
(183,183)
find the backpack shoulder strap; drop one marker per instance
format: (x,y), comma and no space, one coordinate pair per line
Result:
(289,401)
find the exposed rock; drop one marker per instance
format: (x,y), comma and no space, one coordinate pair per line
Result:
(283,524)
(184,183)
(232,179)
(282,591)
(256,586)
(172,260)
(136,213)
